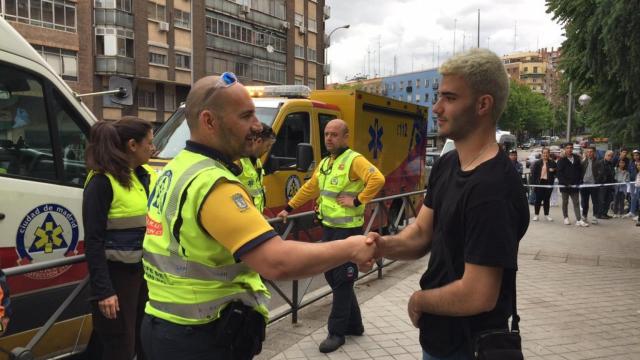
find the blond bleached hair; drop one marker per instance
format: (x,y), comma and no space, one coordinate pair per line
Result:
(483,70)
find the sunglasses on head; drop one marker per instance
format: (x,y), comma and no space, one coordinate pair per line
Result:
(227,79)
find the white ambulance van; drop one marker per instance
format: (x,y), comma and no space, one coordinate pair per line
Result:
(43,129)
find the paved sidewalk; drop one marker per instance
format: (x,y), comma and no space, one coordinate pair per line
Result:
(578,297)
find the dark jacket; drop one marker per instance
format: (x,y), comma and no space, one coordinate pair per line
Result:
(607,172)
(536,171)
(595,168)
(569,173)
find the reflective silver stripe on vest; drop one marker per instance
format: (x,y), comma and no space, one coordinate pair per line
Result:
(207,310)
(333,194)
(255,192)
(174,198)
(188,269)
(125,256)
(339,220)
(129,222)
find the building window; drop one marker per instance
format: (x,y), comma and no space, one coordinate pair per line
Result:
(272,7)
(535,69)
(417,98)
(311,54)
(156,12)
(299,51)
(269,71)
(146,99)
(52,14)
(113,42)
(124,5)
(426,82)
(63,62)
(157,59)
(244,34)
(182,19)
(526,69)
(169,100)
(426,97)
(242,69)
(312,25)
(299,20)
(417,83)
(299,80)
(312,84)
(183,61)
(219,66)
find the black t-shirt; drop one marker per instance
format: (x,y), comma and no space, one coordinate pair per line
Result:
(479,218)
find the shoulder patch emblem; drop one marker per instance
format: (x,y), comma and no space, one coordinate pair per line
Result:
(372,170)
(241,204)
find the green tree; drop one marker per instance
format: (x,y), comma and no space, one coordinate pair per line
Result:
(601,55)
(526,113)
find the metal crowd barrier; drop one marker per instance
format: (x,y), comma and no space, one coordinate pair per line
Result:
(296,302)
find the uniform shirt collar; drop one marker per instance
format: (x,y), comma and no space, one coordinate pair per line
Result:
(213,154)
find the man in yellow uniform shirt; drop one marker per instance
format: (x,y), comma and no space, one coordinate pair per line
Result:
(206,244)
(343,183)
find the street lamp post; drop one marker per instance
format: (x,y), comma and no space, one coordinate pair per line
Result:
(583,100)
(326,49)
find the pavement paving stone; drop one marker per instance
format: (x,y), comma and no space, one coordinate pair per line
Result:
(578,298)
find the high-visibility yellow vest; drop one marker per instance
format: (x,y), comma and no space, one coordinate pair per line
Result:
(333,181)
(191,276)
(126,217)
(251,177)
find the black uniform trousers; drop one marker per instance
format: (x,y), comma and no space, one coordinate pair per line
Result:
(163,340)
(119,339)
(345,315)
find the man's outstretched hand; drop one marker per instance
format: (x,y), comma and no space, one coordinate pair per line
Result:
(376,239)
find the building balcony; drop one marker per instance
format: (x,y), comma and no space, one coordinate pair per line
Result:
(248,14)
(216,42)
(112,65)
(113,17)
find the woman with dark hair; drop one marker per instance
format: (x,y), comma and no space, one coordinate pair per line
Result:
(252,172)
(114,208)
(543,172)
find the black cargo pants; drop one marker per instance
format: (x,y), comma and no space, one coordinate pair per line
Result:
(345,315)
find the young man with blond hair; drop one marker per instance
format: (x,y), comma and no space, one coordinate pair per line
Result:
(474,215)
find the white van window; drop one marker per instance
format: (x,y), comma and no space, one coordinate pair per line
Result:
(72,140)
(25,144)
(29,146)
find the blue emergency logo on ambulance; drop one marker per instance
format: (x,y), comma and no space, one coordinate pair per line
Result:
(47,232)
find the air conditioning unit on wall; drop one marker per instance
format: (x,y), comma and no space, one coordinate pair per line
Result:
(245,9)
(163,26)
(286,25)
(302,30)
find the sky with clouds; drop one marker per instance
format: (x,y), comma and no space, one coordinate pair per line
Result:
(413,30)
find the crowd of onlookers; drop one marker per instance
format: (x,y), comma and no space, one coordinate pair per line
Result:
(610,183)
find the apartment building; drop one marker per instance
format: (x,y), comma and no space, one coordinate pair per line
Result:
(164,45)
(527,68)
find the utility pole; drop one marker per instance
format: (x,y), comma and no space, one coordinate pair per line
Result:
(379,46)
(478,27)
(455,26)
(515,35)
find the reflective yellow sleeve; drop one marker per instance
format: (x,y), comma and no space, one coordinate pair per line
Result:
(373,179)
(229,216)
(309,191)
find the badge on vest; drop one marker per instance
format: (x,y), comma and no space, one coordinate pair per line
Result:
(341,167)
(334,181)
(239,201)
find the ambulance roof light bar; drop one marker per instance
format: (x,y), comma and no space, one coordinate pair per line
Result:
(288,91)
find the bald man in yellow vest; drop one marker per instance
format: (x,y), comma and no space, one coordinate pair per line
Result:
(343,183)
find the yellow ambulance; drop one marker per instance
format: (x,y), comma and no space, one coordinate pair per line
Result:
(390,133)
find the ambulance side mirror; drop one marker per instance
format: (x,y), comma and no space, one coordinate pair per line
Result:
(304,157)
